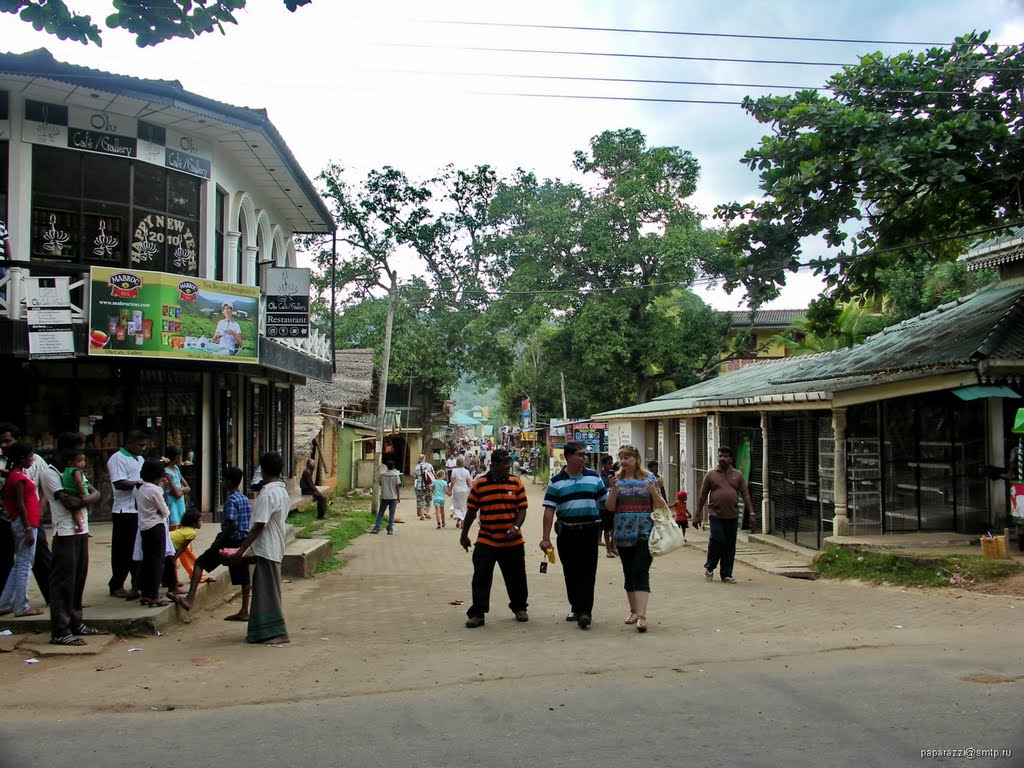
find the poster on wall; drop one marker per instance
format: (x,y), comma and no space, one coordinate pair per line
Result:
(135,313)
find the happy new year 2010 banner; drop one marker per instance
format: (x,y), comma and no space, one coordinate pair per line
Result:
(136,313)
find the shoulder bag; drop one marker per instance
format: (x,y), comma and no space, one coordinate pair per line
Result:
(665,536)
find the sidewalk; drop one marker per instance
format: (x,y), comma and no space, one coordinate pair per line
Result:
(117,615)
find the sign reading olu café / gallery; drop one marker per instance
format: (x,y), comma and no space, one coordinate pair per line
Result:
(137,313)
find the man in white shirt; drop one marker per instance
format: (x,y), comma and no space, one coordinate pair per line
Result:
(70,565)
(229,332)
(124,467)
(266,538)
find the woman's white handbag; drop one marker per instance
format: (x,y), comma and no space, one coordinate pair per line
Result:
(665,536)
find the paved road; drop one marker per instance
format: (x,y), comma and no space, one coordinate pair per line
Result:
(382,672)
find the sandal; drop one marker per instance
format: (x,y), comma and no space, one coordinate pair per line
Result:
(67,640)
(29,612)
(87,630)
(154,603)
(631,619)
(641,623)
(179,601)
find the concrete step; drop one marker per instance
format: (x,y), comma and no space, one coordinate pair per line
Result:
(128,617)
(302,556)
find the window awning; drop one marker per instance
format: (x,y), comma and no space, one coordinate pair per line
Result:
(979,391)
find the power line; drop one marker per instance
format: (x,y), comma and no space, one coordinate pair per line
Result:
(592,79)
(679,33)
(486,49)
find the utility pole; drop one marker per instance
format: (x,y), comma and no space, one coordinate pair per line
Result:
(565,415)
(382,389)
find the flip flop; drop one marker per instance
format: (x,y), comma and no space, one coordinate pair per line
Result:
(235,617)
(29,612)
(87,630)
(67,640)
(154,603)
(179,601)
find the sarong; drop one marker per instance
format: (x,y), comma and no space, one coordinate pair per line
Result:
(266,615)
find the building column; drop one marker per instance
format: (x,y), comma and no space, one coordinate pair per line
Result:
(231,266)
(249,273)
(841,521)
(713,438)
(998,457)
(765,504)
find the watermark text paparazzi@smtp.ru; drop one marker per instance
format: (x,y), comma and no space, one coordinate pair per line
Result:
(969,753)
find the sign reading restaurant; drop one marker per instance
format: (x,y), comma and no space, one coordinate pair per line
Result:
(58,125)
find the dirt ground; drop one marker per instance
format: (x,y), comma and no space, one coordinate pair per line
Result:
(393,620)
(1010,585)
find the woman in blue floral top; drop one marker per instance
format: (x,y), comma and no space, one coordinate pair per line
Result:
(632,496)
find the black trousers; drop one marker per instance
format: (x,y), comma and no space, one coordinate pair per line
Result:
(154,552)
(122,547)
(69,569)
(43,563)
(636,566)
(512,561)
(722,545)
(321,503)
(577,549)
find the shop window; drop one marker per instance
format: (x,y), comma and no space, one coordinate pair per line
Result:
(218,230)
(93,209)
(103,179)
(150,190)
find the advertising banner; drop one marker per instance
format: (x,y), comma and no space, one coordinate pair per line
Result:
(135,313)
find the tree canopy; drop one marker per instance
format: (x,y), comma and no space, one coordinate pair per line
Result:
(150,22)
(912,151)
(514,281)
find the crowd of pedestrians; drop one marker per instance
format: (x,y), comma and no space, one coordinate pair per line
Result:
(152,530)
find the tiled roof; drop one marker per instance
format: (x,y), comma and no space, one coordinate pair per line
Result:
(987,325)
(767,318)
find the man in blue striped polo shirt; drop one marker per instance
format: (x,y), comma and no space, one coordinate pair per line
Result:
(573,496)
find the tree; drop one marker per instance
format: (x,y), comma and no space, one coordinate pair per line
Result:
(910,149)
(595,261)
(151,21)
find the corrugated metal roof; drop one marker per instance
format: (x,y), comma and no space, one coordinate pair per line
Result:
(988,324)
(767,318)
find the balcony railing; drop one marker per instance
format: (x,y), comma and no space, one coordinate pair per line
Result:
(12,303)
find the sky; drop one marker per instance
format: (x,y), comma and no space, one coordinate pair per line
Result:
(396,83)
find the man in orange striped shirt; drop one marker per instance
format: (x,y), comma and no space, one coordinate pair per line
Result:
(500,501)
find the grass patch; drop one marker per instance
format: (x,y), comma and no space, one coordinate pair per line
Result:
(346,519)
(910,570)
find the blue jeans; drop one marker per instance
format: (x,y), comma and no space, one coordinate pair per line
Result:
(385,504)
(15,594)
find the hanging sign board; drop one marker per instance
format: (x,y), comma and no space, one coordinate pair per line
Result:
(48,304)
(287,303)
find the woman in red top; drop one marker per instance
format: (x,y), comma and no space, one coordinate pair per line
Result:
(22,504)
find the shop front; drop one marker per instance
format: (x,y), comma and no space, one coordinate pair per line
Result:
(159,227)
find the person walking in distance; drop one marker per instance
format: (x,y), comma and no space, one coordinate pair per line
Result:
(720,493)
(124,468)
(500,501)
(573,496)
(390,495)
(423,484)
